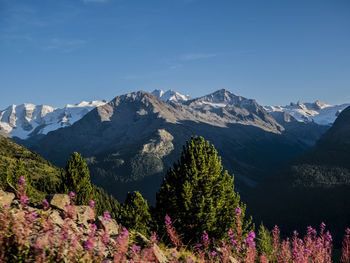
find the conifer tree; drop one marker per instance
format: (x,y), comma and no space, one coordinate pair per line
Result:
(265,240)
(18,172)
(136,214)
(77,179)
(198,195)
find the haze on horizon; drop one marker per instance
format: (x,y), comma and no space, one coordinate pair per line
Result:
(60,52)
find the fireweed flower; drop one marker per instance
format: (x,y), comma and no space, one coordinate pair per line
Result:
(92,203)
(22,180)
(213,253)
(45,204)
(135,248)
(93,227)
(250,239)
(205,238)
(72,195)
(33,216)
(154,238)
(106,216)
(125,232)
(167,220)
(105,238)
(24,199)
(328,237)
(238,211)
(89,245)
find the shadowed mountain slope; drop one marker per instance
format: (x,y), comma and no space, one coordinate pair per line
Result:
(312,188)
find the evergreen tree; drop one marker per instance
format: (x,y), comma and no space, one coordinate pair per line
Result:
(264,239)
(77,179)
(198,195)
(105,203)
(18,172)
(136,214)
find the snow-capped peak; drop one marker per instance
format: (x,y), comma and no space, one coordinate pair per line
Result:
(94,103)
(170,95)
(28,119)
(318,111)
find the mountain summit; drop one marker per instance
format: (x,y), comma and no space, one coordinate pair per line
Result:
(170,95)
(27,120)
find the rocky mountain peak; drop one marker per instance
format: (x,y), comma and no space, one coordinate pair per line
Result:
(170,95)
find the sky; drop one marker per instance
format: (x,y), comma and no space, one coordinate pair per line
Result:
(59,52)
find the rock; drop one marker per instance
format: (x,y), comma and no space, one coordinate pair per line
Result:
(84,215)
(56,218)
(232,259)
(142,240)
(15,203)
(59,201)
(109,225)
(158,253)
(6,198)
(145,242)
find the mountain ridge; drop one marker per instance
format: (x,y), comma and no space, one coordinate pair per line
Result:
(28,120)
(130,141)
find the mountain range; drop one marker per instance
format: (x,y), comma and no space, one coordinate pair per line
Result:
(28,120)
(131,141)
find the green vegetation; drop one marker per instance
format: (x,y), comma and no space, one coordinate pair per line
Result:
(37,169)
(135,214)
(198,195)
(76,179)
(43,178)
(264,240)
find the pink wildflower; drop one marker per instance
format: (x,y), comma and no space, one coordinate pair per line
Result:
(167,220)
(45,204)
(22,180)
(238,211)
(92,203)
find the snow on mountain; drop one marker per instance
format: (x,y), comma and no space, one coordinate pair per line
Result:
(26,120)
(170,95)
(318,112)
(220,99)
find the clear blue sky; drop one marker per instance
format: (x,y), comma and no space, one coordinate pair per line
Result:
(63,51)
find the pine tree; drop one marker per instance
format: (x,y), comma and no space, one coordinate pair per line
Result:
(264,239)
(198,195)
(105,203)
(18,172)
(136,214)
(77,179)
